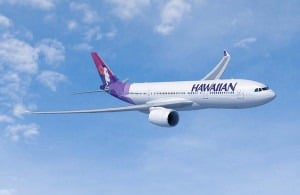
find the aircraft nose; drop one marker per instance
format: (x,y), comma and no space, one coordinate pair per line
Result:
(271,95)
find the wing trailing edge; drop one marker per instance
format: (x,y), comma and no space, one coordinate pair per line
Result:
(168,103)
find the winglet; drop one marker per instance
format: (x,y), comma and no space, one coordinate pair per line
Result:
(219,69)
(225,53)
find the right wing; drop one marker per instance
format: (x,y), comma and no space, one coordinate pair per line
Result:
(219,69)
(169,103)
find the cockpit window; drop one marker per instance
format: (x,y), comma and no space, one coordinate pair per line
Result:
(261,89)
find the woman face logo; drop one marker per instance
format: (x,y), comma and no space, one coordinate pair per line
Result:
(106,76)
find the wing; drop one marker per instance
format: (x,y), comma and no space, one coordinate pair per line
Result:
(168,103)
(86,92)
(219,69)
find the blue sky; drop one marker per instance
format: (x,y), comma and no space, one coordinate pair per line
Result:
(45,50)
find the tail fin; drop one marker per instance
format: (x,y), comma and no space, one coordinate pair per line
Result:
(107,76)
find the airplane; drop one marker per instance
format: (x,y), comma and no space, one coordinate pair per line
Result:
(162,100)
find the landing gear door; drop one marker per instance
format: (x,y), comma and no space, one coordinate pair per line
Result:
(204,95)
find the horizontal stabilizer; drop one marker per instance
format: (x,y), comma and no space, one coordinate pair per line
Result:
(86,92)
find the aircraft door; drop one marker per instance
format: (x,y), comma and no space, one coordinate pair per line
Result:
(150,94)
(240,94)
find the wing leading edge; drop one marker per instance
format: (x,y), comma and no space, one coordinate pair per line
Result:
(219,69)
(169,103)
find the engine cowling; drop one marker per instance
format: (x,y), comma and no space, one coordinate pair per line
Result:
(164,117)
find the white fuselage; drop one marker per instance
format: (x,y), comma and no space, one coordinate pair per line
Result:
(230,93)
(162,100)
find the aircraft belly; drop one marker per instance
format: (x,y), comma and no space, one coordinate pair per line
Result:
(214,102)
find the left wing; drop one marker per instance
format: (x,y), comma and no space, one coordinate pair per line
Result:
(169,103)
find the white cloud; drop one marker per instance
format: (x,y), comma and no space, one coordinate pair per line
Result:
(19,110)
(111,34)
(7,191)
(51,79)
(171,15)
(15,132)
(19,63)
(50,17)
(86,25)
(83,47)
(72,25)
(128,9)
(4,21)
(88,14)
(244,43)
(41,4)
(53,51)
(11,86)
(93,34)
(5,119)
(24,34)
(18,54)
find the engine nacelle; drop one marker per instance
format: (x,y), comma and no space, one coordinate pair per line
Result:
(163,117)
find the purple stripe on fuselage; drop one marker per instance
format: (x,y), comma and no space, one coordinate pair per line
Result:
(120,90)
(126,88)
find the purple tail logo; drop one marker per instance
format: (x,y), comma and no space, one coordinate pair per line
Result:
(107,76)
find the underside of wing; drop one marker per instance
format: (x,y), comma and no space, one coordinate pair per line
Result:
(167,103)
(219,69)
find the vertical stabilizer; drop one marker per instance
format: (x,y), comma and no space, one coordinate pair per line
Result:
(107,76)
(111,84)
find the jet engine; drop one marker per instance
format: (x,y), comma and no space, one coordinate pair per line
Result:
(163,117)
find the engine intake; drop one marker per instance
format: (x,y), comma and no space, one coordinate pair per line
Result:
(163,117)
